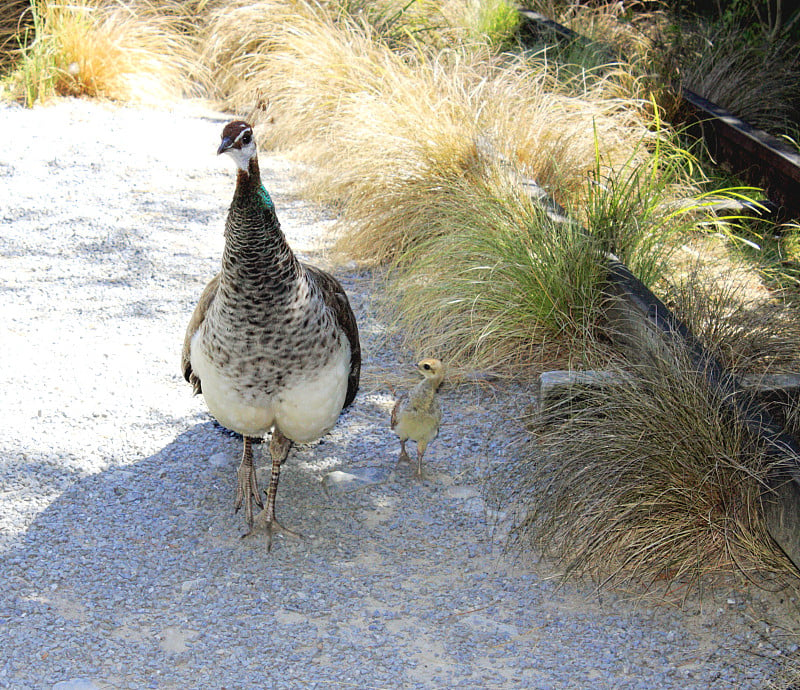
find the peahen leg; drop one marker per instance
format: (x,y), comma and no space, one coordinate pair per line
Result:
(278,448)
(247,484)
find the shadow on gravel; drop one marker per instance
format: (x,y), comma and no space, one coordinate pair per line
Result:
(140,570)
(139,516)
(137,577)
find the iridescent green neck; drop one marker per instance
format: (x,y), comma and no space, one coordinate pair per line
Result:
(249,188)
(265,198)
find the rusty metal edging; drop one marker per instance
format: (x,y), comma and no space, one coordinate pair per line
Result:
(760,158)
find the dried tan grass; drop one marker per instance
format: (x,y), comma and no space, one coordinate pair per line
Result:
(384,129)
(633,52)
(108,50)
(759,84)
(751,332)
(450,123)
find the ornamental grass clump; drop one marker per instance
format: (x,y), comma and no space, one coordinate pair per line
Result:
(501,285)
(649,481)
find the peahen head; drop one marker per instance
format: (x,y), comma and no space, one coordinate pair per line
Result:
(239,142)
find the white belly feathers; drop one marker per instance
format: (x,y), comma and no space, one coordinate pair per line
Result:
(303,412)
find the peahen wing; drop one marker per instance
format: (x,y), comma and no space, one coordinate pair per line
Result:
(206,298)
(336,300)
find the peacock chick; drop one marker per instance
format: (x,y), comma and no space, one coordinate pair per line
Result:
(273,344)
(416,416)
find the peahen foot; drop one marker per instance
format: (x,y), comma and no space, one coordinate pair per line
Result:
(278,448)
(270,525)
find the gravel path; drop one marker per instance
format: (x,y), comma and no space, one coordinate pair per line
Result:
(121,561)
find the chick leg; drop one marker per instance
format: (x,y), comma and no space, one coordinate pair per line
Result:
(278,448)
(247,484)
(403,455)
(421,446)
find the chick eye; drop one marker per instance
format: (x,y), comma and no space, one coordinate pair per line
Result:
(247,138)
(426,366)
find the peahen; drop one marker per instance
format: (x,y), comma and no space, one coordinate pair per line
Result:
(273,343)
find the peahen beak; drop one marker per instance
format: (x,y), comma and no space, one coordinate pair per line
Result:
(226,143)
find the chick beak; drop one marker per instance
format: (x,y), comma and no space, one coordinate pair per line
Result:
(226,143)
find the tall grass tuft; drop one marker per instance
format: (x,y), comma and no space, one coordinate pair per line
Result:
(634,209)
(647,482)
(452,123)
(108,50)
(501,285)
(758,83)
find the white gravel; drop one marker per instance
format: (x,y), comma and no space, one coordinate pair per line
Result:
(121,561)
